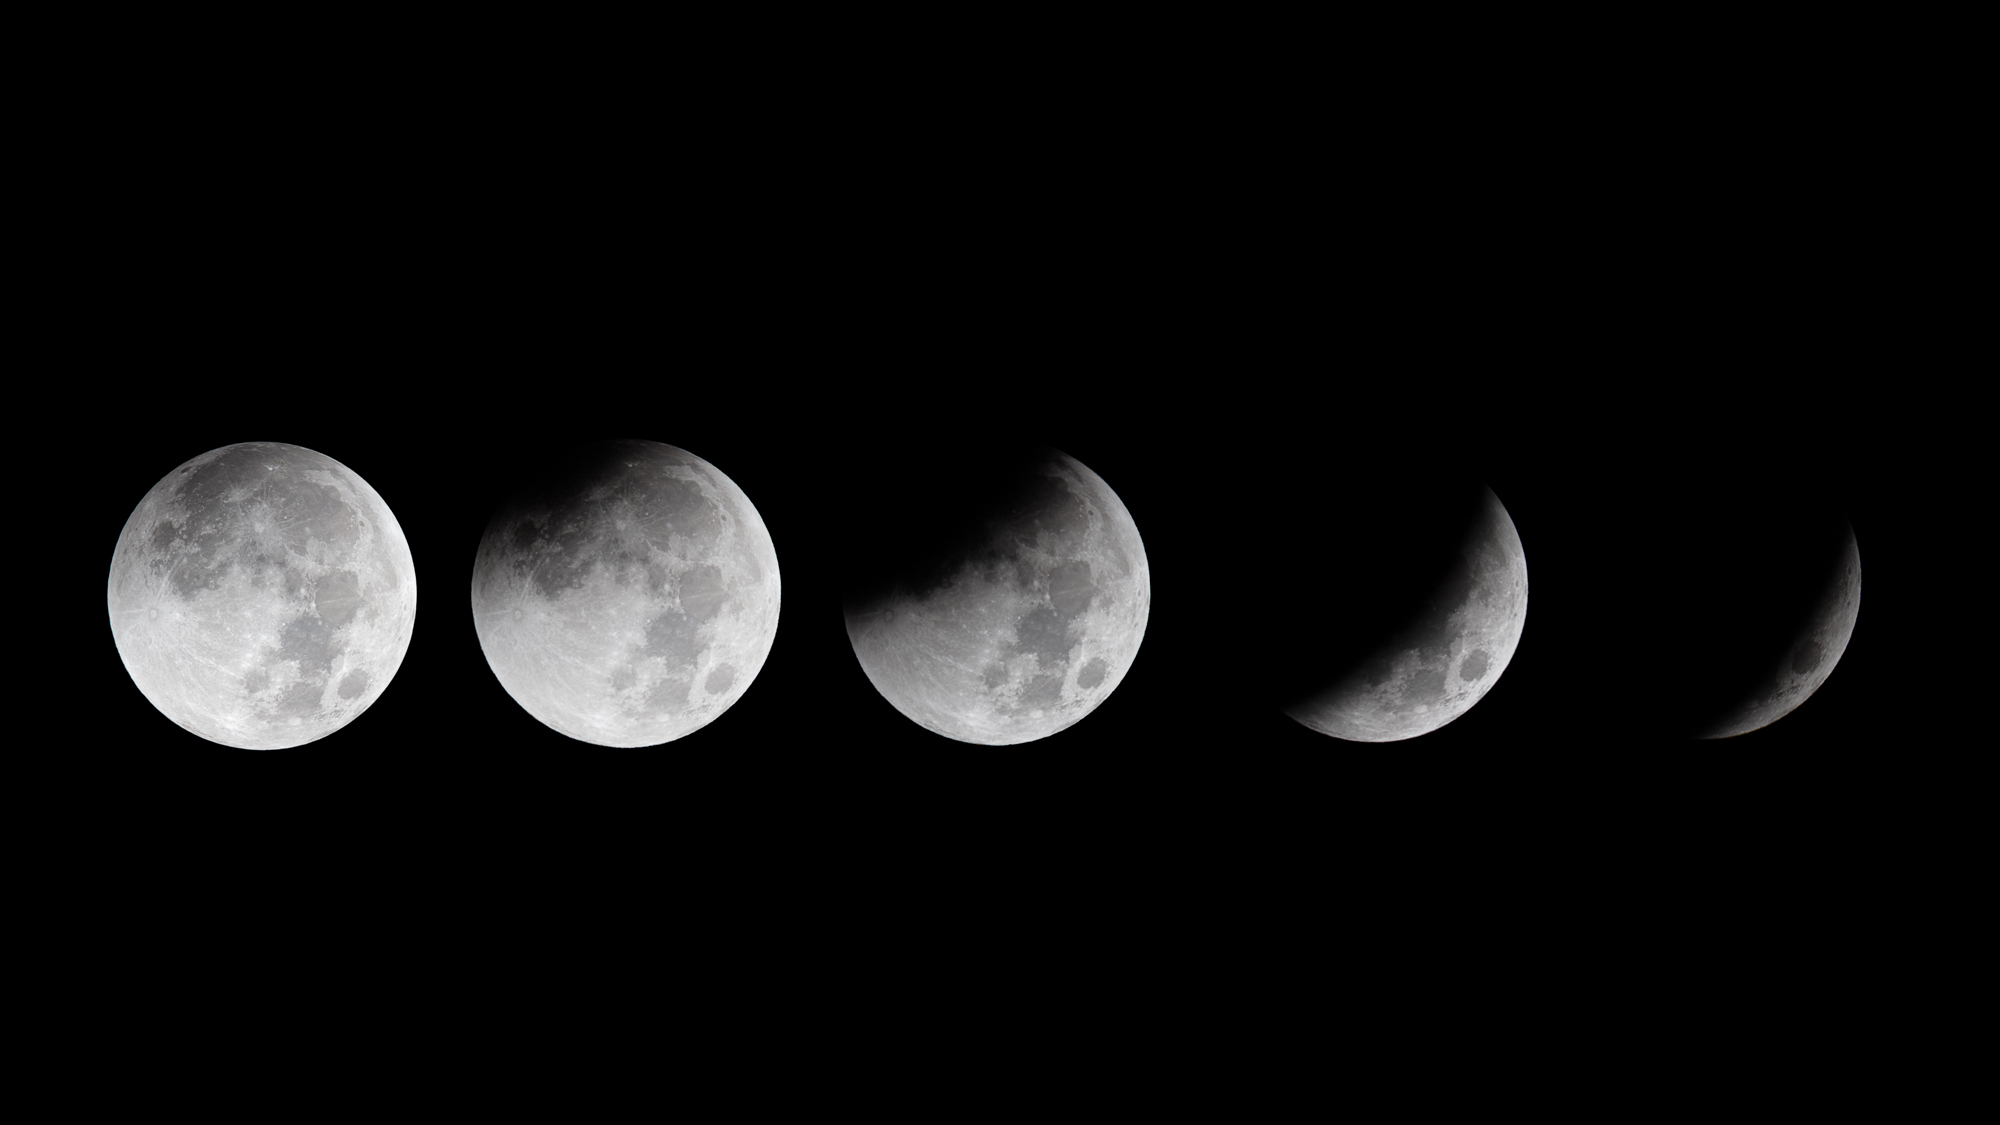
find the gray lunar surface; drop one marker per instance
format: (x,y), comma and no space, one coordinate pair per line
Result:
(1030,639)
(1809,660)
(632,603)
(1448,658)
(262,595)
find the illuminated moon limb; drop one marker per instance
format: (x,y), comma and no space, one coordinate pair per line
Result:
(1446,662)
(1810,659)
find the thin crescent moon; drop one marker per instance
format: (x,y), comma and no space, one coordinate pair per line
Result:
(635,602)
(1810,658)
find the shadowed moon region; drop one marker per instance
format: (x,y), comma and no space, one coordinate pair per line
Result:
(1004,600)
(1802,646)
(626,594)
(1401,648)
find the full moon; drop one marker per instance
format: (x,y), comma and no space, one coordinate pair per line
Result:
(627,595)
(1445,657)
(1011,606)
(262,595)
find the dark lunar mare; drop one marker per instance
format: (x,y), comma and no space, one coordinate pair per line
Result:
(966,504)
(1378,559)
(198,551)
(215,538)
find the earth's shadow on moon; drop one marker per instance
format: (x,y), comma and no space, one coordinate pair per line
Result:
(626,592)
(1741,582)
(1372,553)
(996,592)
(940,518)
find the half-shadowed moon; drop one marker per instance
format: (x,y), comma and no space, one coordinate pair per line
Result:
(1001,598)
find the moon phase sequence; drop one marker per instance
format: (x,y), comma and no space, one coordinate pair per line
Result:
(627,593)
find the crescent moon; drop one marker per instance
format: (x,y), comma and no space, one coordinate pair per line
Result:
(1446,661)
(1810,658)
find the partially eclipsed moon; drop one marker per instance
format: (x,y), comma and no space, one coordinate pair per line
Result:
(1448,658)
(1809,659)
(628,595)
(1025,630)
(262,595)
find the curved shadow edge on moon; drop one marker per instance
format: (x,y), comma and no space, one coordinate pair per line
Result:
(1027,640)
(1810,658)
(1444,663)
(628,595)
(262,595)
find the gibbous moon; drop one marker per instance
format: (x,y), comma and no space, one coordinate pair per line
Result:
(627,594)
(1445,656)
(1010,606)
(262,595)
(1809,658)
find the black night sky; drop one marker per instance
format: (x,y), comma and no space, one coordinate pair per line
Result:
(1280,292)
(1256,386)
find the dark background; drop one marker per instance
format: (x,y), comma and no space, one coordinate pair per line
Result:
(1256,326)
